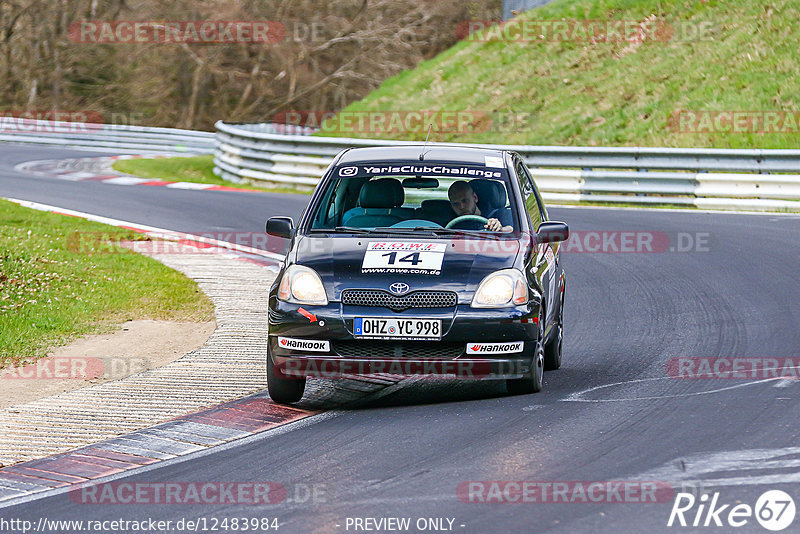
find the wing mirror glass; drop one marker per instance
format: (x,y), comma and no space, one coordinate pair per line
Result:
(552,232)
(280,227)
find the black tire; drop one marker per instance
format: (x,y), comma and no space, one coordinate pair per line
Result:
(283,390)
(532,382)
(554,348)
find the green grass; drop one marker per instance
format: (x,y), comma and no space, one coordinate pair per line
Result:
(197,169)
(612,94)
(60,280)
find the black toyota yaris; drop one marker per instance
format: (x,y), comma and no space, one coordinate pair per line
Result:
(410,260)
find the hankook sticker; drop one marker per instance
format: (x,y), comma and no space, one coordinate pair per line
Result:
(495,348)
(311,345)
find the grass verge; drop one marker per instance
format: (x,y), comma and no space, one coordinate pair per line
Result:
(196,169)
(57,283)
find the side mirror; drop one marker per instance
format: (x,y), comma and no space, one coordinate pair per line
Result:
(552,232)
(280,227)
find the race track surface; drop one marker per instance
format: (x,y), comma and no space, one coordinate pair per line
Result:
(612,413)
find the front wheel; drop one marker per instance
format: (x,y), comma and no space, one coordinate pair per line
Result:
(532,382)
(283,390)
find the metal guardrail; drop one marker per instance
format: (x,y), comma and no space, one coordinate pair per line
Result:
(279,154)
(704,178)
(106,137)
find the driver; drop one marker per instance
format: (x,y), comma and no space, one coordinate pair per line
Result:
(465,202)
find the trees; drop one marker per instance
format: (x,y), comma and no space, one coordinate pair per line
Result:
(331,53)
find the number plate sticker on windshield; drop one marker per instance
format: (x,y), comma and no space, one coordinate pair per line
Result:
(399,257)
(389,328)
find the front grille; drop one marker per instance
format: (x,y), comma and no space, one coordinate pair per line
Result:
(407,349)
(384,299)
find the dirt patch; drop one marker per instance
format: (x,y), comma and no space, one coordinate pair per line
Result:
(137,346)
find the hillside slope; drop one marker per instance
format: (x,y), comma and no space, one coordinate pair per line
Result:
(704,56)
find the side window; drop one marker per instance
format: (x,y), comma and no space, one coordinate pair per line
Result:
(532,203)
(524,181)
(542,208)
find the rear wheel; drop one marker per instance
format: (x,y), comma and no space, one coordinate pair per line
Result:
(283,390)
(553,349)
(531,382)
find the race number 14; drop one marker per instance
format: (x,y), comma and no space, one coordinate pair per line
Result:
(402,256)
(412,259)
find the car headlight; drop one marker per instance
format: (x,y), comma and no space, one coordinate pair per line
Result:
(302,285)
(501,289)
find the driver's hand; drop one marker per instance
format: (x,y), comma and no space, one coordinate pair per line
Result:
(493,225)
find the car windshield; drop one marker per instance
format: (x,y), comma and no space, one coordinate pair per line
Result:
(424,197)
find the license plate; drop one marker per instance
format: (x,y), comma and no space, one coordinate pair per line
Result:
(391,328)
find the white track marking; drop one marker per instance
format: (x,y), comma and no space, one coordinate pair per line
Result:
(577,396)
(712,469)
(125,180)
(75,176)
(189,185)
(159,233)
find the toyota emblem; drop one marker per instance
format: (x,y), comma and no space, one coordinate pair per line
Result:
(399,288)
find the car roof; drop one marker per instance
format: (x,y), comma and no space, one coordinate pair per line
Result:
(433,152)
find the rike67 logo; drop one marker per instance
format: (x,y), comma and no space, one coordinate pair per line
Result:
(774,510)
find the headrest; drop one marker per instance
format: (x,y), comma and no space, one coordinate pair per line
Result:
(382,193)
(436,204)
(491,194)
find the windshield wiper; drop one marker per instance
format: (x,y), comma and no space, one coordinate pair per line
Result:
(451,231)
(405,231)
(339,230)
(434,230)
(402,231)
(361,231)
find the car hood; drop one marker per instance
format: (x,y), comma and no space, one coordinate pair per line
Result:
(338,261)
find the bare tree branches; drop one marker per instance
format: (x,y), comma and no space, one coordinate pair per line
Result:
(332,53)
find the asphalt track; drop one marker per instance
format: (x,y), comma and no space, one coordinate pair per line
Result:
(627,314)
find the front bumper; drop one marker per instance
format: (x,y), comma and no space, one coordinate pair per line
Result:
(347,355)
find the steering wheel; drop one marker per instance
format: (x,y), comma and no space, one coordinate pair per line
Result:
(476,220)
